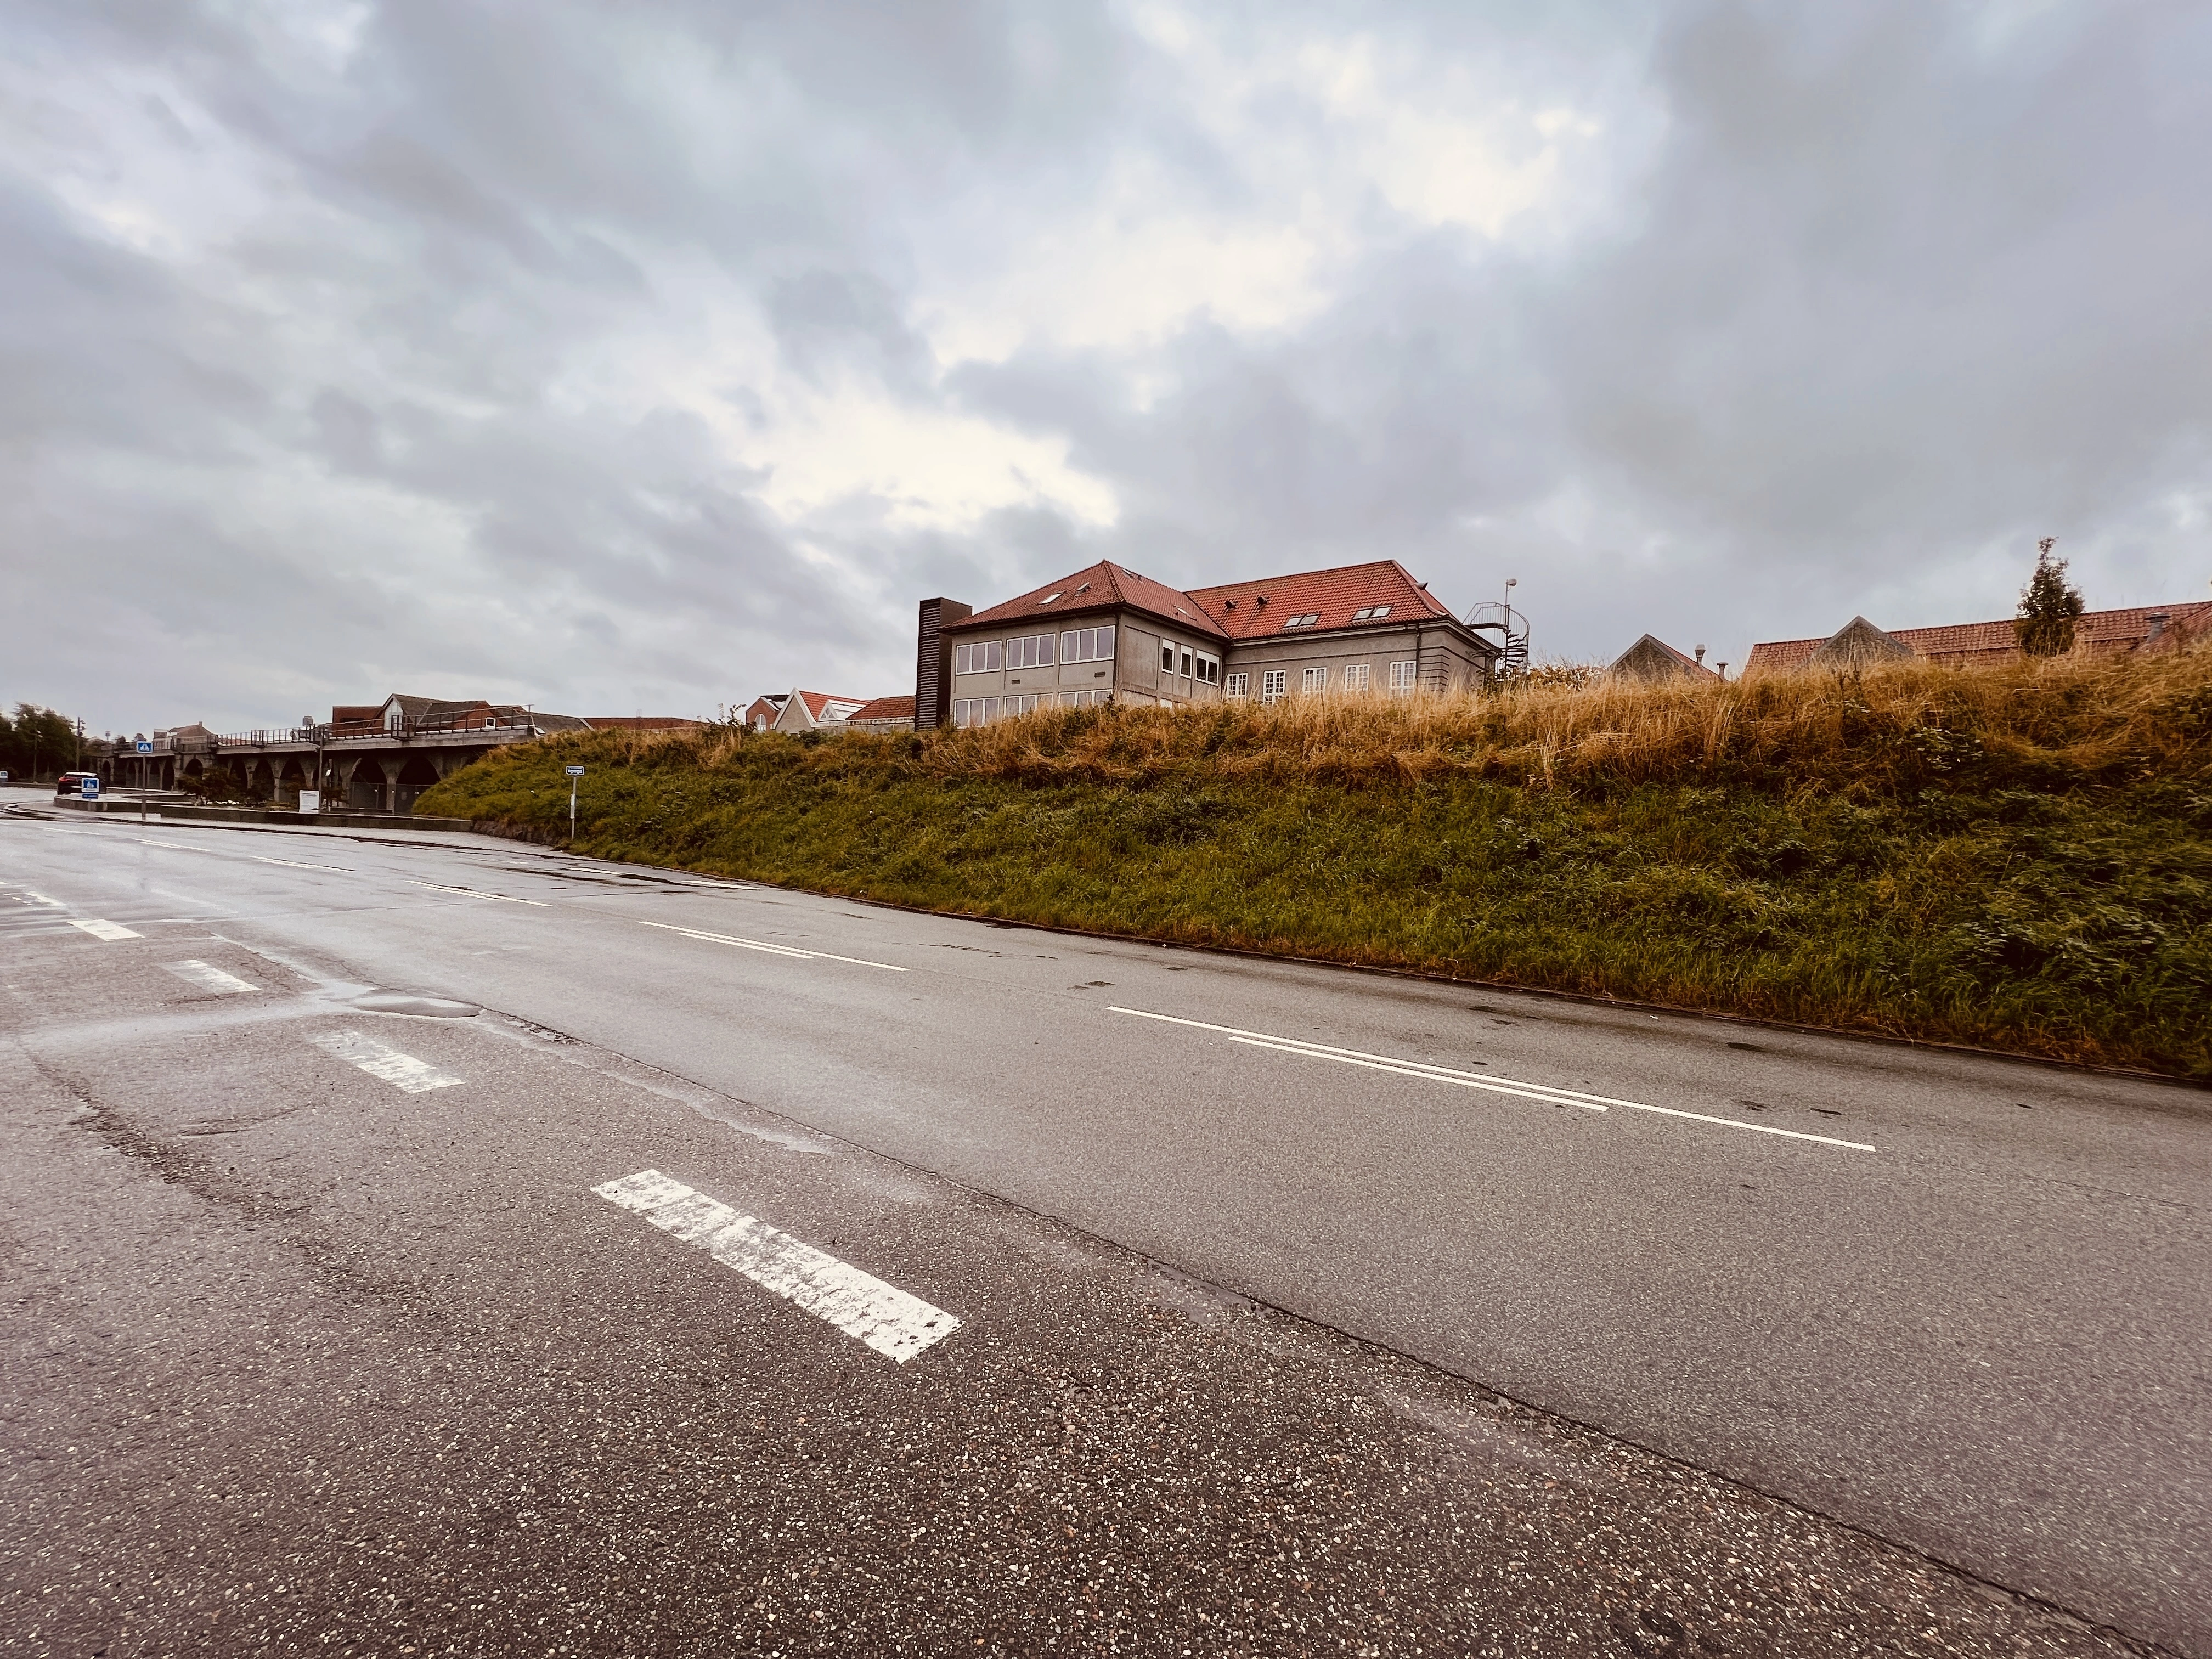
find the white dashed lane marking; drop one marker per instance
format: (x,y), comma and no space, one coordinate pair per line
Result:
(773,950)
(469,892)
(1502,1085)
(107,930)
(860,1305)
(208,978)
(401,1070)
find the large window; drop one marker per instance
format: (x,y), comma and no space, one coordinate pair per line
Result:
(1316,679)
(1401,677)
(1086,645)
(974,711)
(1355,677)
(981,658)
(1271,684)
(1208,670)
(1034,652)
(1097,699)
(1239,687)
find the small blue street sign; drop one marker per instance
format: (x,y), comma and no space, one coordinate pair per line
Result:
(145,747)
(575,771)
(88,787)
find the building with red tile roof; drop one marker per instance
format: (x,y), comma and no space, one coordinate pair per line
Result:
(816,711)
(2154,627)
(1107,634)
(883,714)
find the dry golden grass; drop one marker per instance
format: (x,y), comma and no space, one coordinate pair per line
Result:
(2049,723)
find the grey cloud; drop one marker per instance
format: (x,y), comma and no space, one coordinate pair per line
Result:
(1890,291)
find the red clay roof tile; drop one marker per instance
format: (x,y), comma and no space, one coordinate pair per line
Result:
(1102,587)
(1333,597)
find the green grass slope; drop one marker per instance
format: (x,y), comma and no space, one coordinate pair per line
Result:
(2018,859)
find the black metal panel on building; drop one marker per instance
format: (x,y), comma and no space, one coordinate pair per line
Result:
(932,663)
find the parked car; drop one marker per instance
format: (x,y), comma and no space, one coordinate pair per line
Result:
(71,784)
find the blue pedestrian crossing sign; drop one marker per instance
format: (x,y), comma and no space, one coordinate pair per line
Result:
(145,747)
(89,787)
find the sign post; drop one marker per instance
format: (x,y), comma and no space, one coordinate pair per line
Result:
(574,772)
(144,748)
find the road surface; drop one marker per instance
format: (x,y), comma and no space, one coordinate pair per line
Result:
(983,1287)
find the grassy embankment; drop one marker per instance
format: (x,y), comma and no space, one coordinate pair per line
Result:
(2018,858)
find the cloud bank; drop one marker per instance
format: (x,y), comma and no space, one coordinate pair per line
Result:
(647,357)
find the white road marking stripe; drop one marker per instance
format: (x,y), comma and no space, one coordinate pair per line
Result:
(107,930)
(470,893)
(42,899)
(1502,1085)
(216,851)
(208,978)
(401,1070)
(883,1316)
(775,949)
(1433,1074)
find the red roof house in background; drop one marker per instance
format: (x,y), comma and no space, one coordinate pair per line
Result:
(2151,627)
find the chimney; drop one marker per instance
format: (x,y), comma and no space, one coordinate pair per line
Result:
(2158,620)
(1701,656)
(932,663)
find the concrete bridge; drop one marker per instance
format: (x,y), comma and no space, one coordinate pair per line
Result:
(366,758)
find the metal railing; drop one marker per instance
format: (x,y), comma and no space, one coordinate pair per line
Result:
(365,731)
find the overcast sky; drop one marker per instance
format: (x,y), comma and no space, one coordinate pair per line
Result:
(650,356)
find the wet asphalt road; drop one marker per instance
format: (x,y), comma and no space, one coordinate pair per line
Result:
(299,1358)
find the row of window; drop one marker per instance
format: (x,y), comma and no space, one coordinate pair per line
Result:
(1196,666)
(1033,651)
(981,711)
(1274,682)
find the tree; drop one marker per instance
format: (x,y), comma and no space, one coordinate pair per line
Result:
(38,742)
(2048,606)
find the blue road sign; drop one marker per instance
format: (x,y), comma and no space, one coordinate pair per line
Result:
(145,747)
(89,787)
(575,771)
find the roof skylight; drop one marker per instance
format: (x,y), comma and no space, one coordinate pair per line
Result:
(1048,599)
(1370,612)
(1306,621)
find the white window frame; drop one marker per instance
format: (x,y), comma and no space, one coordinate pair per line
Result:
(974,711)
(1209,670)
(1185,667)
(1356,675)
(1403,676)
(1272,681)
(1237,687)
(1087,645)
(1030,651)
(1167,656)
(1316,679)
(977,656)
